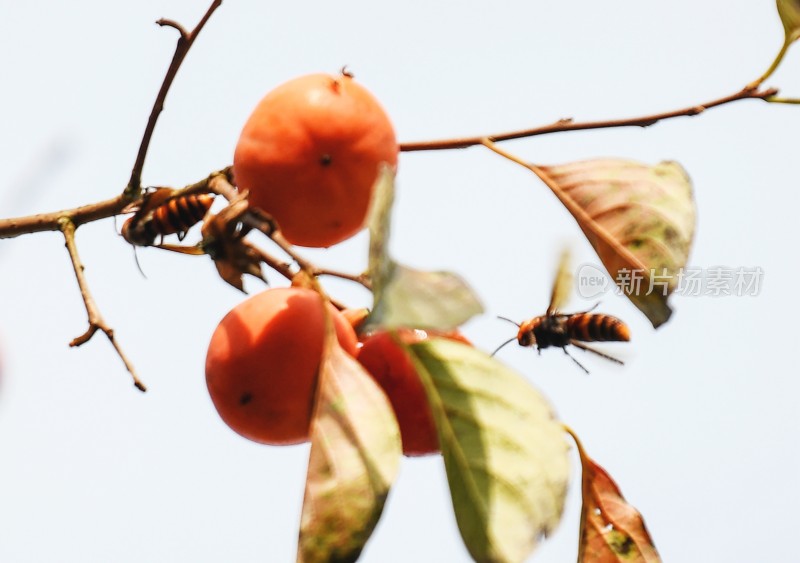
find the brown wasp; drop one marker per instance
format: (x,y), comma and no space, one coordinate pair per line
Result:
(162,213)
(561,329)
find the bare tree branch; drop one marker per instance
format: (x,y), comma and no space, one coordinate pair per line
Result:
(16,226)
(96,321)
(185,42)
(563,125)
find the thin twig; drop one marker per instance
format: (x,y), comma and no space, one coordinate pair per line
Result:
(96,321)
(563,125)
(181,49)
(283,268)
(362,279)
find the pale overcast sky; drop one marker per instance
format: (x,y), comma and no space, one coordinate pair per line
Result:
(699,428)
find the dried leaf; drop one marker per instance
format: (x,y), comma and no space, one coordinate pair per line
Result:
(403,296)
(505,454)
(789,11)
(640,220)
(355,454)
(612,531)
(223,240)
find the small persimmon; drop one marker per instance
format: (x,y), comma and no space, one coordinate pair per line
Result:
(310,154)
(263,361)
(394,371)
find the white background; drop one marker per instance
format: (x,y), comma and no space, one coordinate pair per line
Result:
(699,428)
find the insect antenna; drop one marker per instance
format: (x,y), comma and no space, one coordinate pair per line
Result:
(515,323)
(509,341)
(580,365)
(136,259)
(583,346)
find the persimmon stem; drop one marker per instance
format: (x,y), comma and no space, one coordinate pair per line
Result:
(774,66)
(185,41)
(776,100)
(568,124)
(96,321)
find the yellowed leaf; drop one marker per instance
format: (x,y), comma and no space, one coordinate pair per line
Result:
(612,531)
(640,220)
(355,455)
(789,11)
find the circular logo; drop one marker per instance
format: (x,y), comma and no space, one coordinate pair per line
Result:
(592,281)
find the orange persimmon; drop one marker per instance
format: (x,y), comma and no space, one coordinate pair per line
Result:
(394,371)
(263,362)
(310,154)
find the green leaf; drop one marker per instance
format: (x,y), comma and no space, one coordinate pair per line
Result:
(640,219)
(504,452)
(789,11)
(403,296)
(355,454)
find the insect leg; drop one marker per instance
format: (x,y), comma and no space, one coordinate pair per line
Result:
(583,346)
(580,365)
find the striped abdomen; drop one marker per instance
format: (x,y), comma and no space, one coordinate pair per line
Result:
(176,216)
(595,327)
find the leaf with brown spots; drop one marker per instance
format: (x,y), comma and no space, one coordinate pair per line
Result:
(355,456)
(612,531)
(640,220)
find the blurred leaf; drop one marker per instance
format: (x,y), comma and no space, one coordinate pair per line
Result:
(413,298)
(640,220)
(505,454)
(379,225)
(403,296)
(355,454)
(612,531)
(789,11)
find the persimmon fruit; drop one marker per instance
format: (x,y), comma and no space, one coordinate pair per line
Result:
(394,371)
(310,154)
(263,362)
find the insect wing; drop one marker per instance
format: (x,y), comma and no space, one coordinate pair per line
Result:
(562,285)
(153,200)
